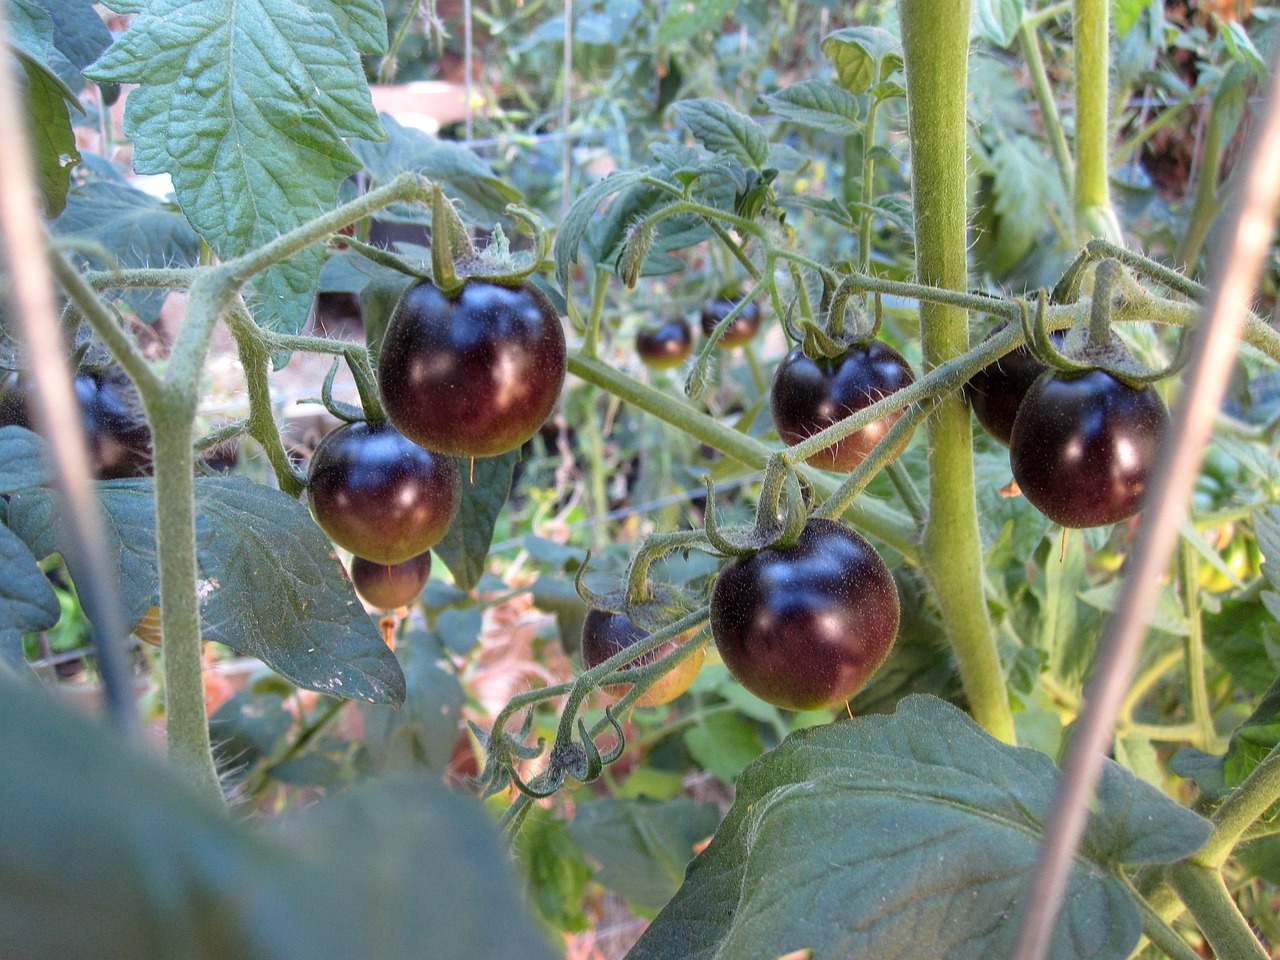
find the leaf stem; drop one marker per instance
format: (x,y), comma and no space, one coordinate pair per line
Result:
(1248,802)
(1217,915)
(1029,41)
(1201,713)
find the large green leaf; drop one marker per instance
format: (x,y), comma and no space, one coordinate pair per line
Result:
(271,586)
(244,103)
(134,228)
(485,485)
(107,853)
(79,35)
(913,835)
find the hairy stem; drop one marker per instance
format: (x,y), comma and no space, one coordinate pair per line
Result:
(1209,901)
(1095,216)
(936,46)
(1030,44)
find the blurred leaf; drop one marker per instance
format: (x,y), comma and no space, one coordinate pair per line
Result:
(722,129)
(1238,637)
(997,21)
(422,732)
(245,730)
(80,36)
(863,56)
(1168,615)
(486,482)
(1241,47)
(642,846)
(724,743)
(686,20)
(1125,13)
(1253,739)
(21,459)
(460,628)
(395,869)
(246,107)
(53,142)
(555,873)
(858,834)
(818,104)
(27,601)
(462,175)
(134,228)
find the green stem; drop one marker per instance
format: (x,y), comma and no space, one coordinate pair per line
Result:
(1095,216)
(1158,931)
(1248,802)
(874,518)
(1206,204)
(1217,915)
(387,69)
(935,38)
(907,491)
(881,456)
(1148,679)
(1201,713)
(590,343)
(868,185)
(1049,116)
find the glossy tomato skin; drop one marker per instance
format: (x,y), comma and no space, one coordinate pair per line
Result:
(605,634)
(810,395)
(390,587)
(665,345)
(804,626)
(1083,447)
(475,374)
(995,392)
(380,495)
(745,326)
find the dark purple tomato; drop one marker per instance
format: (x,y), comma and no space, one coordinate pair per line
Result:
(475,374)
(810,395)
(390,587)
(804,626)
(665,345)
(379,494)
(1083,447)
(996,391)
(115,428)
(606,634)
(744,327)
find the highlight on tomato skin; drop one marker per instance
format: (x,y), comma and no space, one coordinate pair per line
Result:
(380,496)
(809,395)
(804,627)
(474,374)
(1083,447)
(606,634)
(390,586)
(666,344)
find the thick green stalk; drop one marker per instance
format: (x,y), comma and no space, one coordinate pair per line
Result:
(1029,41)
(935,38)
(1095,216)
(1247,803)
(1217,915)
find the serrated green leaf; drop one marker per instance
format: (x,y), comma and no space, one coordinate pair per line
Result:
(481,194)
(687,162)
(271,586)
(722,129)
(423,731)
(863,56)
(818,104)
(642,846)
(486,482)
(686,19)
(244,103)
(858,834)
(53,142)
(21,459)
(128,513)
(997,21)
(397,868)
(580,215)
(137,229)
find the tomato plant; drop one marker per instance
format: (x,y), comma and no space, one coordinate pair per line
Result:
(379,494)
(1083,447)
(473,374)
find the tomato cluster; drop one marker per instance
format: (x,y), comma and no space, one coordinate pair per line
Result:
(111,414)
